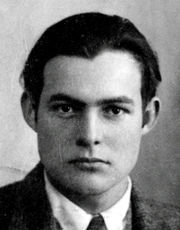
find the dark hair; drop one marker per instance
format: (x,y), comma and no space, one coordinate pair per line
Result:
(86,35)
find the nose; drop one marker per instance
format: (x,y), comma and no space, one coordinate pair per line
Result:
(90,130)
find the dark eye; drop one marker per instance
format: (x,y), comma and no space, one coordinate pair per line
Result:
(65,108)
(113,110)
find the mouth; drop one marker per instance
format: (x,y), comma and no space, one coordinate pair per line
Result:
(88,163)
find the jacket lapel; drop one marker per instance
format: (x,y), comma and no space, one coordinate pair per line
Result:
(140,215)
(143,217)
(33,208)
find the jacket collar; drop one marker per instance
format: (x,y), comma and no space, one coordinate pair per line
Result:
(144,213)
(34,212)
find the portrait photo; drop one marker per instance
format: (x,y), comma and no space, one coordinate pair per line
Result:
(90,104)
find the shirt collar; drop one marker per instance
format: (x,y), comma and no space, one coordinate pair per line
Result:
(72,217)
(114,217)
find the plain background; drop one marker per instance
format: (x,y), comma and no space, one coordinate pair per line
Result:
(22,22)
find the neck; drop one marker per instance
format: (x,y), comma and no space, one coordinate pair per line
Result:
(95,203)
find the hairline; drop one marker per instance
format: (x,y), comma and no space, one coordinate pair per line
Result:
(129,46)
(92,57)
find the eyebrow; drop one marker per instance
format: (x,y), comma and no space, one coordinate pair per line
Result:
(68,98)
(64,97)
(121,99)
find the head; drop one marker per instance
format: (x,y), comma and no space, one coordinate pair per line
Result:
(90,94)
(86,35)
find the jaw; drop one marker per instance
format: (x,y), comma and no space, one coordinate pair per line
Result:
(91,198)
(95,203)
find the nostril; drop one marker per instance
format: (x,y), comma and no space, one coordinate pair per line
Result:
(85,143)
(82,142)
(96,142)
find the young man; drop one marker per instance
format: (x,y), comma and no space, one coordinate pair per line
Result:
(90,86)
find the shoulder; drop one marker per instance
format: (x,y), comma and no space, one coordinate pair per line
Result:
(33,178)
(16,197)
(155,214)
(11,192)
(162,211)
(9,201)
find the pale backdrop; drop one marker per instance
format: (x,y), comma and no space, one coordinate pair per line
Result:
(22,22)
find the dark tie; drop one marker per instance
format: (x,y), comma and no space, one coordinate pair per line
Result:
(97,223)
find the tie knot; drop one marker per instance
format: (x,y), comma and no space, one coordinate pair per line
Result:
(97,223)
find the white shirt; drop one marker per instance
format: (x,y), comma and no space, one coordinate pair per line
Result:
(72,217)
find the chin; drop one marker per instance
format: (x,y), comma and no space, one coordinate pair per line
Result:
(90,190)
(91,186)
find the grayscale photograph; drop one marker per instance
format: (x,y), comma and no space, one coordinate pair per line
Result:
(89,114)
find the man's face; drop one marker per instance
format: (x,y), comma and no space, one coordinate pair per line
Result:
(89,122)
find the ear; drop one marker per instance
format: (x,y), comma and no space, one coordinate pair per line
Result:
(150,115)
(28,110)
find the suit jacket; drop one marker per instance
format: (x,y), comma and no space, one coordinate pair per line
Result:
(24,206)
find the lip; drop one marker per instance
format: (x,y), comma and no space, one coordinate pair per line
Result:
(87,160)
(89,164)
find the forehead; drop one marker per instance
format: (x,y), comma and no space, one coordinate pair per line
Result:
(108,74)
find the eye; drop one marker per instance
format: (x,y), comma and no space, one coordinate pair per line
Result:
(113,110)
(63,109)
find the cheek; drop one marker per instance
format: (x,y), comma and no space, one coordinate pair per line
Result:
(54,139)
(122,135)
(124,150)
(124,142)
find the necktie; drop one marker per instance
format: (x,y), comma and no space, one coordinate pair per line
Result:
(97,223)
